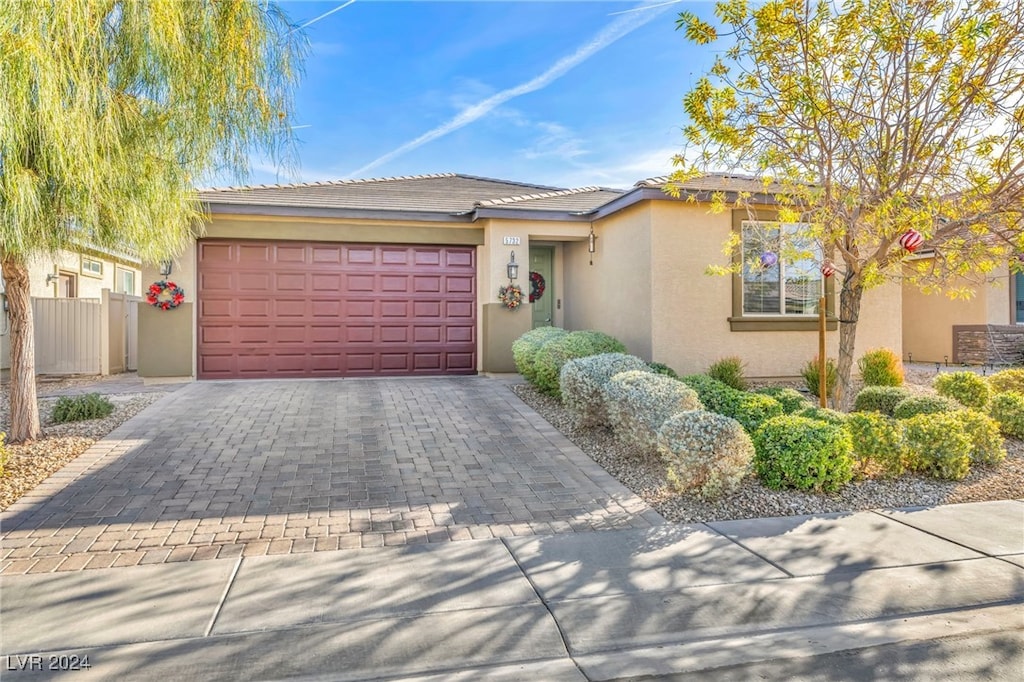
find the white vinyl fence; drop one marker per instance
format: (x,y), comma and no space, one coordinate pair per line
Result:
(82,335)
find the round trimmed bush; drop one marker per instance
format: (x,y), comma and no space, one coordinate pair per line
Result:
(750,409)
(713,393)
(526,347)
(790,399)
(938,445)
(639,402)
(987,446)
(547,365)
(662,368)
(882,399)
(1007,381)
(1008,410)
(705,452)
(924,404)
(967,388)
(880,367)
(582,382)
(879,439)
(824,414)
(796,452)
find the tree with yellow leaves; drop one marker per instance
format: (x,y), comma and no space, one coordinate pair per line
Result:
(111,111)
(867,120)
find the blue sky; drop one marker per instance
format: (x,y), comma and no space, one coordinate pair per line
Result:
(562,93)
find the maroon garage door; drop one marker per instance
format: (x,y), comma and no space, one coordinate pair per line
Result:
(310,309)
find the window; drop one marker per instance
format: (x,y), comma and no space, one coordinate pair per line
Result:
(92,268)
(125,282)
(780,281)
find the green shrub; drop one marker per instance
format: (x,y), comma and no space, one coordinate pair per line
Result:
(547,365)
(639,402)
(967,388)
(882,399)
(662,368)
(1007,381)
(712,392)
(525,348)
(1008,410)
(790,399)
(730,372)
(582,383)
(749,409)
(879,439)
(797,452)
(938,445)
(705,452)
(811,375)
(823,414)
(881,367)
(987,446)
(924,404)
(80,408)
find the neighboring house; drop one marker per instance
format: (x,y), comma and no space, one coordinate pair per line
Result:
(986,329)
(84,273)
(400,276)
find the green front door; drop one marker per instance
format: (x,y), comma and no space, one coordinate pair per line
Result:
(541,285)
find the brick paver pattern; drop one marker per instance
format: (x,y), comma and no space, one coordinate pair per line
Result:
(227,469)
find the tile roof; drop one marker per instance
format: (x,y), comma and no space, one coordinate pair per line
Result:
(715,182)
(443,193)
(574,200)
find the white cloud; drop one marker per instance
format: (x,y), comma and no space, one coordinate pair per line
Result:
(620,27)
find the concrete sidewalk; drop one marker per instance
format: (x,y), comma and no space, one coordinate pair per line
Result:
(902,594)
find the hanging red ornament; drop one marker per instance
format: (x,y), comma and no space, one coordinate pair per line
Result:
(911,240)
(828,269)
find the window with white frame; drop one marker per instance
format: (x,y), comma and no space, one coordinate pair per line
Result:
(126,281)
(781,273)
(92,267)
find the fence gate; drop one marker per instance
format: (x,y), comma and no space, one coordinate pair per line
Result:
(67,332)
(132,330)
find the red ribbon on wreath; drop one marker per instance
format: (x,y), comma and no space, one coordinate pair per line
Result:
(537,286)
(165,295)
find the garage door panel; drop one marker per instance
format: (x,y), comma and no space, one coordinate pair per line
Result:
(294,309)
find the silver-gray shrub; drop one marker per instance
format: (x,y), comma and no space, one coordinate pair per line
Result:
(639,402)
(705,453)
(582,383)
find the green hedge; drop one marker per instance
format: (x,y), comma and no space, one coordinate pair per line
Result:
(526,347)
(796,452)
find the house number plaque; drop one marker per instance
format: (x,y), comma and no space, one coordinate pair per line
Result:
(511,241)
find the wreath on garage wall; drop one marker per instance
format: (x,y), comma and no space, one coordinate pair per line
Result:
(511,296)
(537,286)
(165,295)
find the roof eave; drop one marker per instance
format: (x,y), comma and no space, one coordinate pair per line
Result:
(323,212)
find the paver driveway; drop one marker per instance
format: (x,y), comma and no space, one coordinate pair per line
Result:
(221,469)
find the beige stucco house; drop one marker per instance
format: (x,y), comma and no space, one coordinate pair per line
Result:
(400,276)
(84,274)
(988,328)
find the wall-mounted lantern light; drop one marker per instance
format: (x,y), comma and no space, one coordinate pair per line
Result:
(50,279)
(513,267)
(165,268)
(592,244)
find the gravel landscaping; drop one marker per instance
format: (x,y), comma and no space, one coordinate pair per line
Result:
(30,464)
(645,476)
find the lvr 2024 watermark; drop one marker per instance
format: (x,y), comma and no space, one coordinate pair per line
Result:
(47,662)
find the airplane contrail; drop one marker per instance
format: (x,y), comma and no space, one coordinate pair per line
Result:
(620,27)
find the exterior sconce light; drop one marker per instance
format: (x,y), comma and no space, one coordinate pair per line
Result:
(513,268)
(591,244)
(50,279)
(165,268)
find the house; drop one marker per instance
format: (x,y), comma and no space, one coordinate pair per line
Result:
(400,276)
(985,329)
(84,274)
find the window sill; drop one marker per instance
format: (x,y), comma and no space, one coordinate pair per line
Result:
(780,324)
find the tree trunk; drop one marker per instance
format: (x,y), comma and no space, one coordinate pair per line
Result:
(849,311)
(24,408)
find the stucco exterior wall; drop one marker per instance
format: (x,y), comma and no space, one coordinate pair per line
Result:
(691,310)
(89,286)
(614,294)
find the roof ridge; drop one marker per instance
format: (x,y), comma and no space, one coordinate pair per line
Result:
(508,182)
(659,180)
(329,183)
(537,195)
